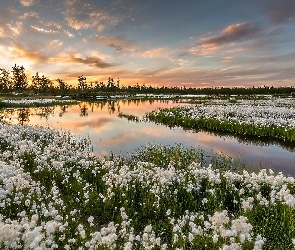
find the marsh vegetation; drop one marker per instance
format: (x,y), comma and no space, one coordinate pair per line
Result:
(56,193)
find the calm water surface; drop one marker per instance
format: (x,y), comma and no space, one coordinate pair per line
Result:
(111,134)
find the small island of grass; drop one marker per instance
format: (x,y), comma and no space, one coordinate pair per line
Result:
(265,120)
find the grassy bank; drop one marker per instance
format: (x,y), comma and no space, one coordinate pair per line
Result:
(54,194)
(261,121)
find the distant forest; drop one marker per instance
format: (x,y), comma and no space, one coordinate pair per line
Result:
(17,81)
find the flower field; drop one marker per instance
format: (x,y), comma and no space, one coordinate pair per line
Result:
(262,118)
(54,194)
(34,102)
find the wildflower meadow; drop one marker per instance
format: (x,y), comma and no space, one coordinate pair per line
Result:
(55,194)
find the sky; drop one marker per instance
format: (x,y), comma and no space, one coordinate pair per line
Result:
(192,43)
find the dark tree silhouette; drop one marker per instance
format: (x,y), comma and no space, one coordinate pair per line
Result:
(63,86)
(82,85)
(19,78)
(5,80)
(42,84)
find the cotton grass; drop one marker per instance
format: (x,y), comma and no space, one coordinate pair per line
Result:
(55,194)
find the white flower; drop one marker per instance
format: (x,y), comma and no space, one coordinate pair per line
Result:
(145,237)
(128,246)
(148,229)
(259,242)
(215,238)
(90,220)
(168,212)
(204,201)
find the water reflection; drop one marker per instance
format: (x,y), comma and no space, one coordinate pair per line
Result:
(83,109)
(63,110)
(23,116)
(111,134)
(43,112)
(249,140)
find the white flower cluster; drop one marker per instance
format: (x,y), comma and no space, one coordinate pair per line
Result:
(219,227)
(34,101)
(277,111)
(265,101)
(54,194)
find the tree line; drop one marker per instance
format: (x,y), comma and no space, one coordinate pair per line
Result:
(17,81)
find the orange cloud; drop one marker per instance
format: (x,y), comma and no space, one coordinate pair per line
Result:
(2,34)
(44,30)
(53,25)
(30,15)
(156,53)
(28,53)
(77,24)
(28,3)
(80,15)
(16,28)
(69,34)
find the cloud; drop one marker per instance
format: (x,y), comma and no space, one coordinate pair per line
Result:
(155,53)
(32,22)
(36,51)
(92,61)
(30,15)
(227,59)
(119,43)
(77,24)
(46,27)
(44,30)
(53,25)
(28,3)
(15,28)
(80,15)
(277,11)
(29,52)
(247,75)
(233,33)
(69,73)
(84,20)
(69,34)
(236,38)
(77,14)
(8,25)
(151,72)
